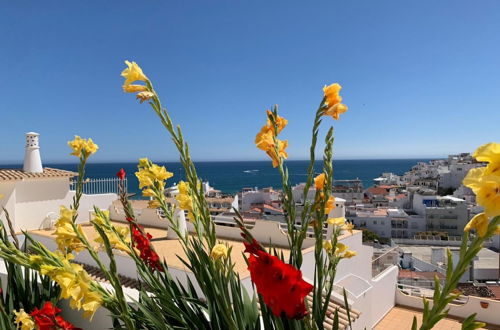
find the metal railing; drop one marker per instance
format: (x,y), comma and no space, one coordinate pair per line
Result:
(385,260)
(99,186)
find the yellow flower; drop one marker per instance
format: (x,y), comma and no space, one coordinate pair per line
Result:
(91,147)
(327,245)
(145,178)
(330,205)
(280,122)
(133,73)
(144,96)
(264,139)
(349,254)
(487,189)
(332,101)
(349,227)
(183,197)
(331,93)
(336,221)
(336,110)
(153,204)
(91,302)
(134,88)
(80,145)
(35,259)
(319,181)
(77,145)
(23,320)
(480,223)
(282,145)
(497,231)
(116,242)
(101,219)
(219,251)
(160,173)
(340,248)
(66,237)
(148,192)
(144,162)
(490,153)
(75,285)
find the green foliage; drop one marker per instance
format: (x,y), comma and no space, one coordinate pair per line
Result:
(370,236)
(24,289)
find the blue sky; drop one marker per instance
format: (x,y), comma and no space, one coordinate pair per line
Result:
(421,78)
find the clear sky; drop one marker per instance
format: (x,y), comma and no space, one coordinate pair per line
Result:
(421,78)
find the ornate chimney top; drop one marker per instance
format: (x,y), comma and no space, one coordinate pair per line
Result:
(32,160)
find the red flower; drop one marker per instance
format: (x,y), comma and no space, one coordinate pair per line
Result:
(121,174)
(280,285)
(46,318)
(143,244)
(65,325)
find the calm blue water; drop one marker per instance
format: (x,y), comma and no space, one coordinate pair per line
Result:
(231,177)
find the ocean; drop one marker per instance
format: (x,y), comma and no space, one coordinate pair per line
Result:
(231,176)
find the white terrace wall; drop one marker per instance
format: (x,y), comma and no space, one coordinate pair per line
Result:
(9,199)
(263,231)
(379,297)
(488,315)
(30,201)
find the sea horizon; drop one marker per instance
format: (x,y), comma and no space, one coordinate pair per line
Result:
(20,163)
(232,176)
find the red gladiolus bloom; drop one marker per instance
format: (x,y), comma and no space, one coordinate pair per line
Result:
(47,318)
(65,325)
(121,174)
(280,285)
(143,244)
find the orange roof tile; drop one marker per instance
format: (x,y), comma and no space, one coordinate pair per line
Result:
(19,175)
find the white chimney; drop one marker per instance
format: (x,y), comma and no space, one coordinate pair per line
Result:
(32,160)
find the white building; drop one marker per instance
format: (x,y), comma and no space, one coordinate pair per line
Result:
(248,197)
(386,222)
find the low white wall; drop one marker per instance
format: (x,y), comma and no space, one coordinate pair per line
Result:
(473,305)
(383,293)
(31,213)
(263,231)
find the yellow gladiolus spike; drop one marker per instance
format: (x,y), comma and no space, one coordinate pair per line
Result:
(330,205)
(336,221)
(219,251)
(23,320)
(332,101)
(132,73)
(183,197)
(144,96)
(479,223)
(134,88)
(487,189)
(319,181)
(349,254)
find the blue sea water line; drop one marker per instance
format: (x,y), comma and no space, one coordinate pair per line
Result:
(232,176)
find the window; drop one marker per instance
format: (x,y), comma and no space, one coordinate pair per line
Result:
(382,222)
(374,222)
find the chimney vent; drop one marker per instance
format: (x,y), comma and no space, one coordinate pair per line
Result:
(32,160)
